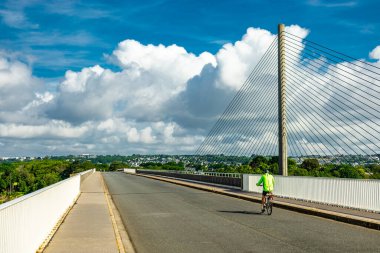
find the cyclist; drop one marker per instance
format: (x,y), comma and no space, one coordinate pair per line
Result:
(267,180)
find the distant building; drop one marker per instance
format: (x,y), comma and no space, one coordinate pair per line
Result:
(87,156)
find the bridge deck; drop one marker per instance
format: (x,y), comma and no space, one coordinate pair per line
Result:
(303,204)
(163,217)
(88,226)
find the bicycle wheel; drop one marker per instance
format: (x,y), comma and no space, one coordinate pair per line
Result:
(269,208)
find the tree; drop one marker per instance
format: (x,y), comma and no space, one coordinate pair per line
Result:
(257,160)
(348,171)
(291,162)
(117,165)
(299,172)
(274,160)
(19,178)
(244,169)
(375,170)
(310,164)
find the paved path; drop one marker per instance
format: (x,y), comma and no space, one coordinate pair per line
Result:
(163,217)
(88,226)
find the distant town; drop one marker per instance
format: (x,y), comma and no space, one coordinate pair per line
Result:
(136,160)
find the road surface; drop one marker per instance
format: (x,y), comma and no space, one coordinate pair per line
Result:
(164,217)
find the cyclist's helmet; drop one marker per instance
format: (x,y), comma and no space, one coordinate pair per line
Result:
(266,171)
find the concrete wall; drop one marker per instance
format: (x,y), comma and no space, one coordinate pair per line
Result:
(353,193)
(26,222)
(131,171)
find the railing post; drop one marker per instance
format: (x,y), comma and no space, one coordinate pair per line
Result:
(282,140)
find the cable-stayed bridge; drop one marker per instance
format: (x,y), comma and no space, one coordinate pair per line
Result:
(326,104)
(301,100)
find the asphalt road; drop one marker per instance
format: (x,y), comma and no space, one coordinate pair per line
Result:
(163,217)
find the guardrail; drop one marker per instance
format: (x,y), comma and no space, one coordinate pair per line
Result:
(218,174)
(230,179)
(26,222)
(215,174)
(353,193)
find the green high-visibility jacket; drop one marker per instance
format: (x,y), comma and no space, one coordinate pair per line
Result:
(268,182)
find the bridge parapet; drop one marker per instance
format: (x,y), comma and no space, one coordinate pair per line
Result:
(361,194)
(229,179)
(26,222)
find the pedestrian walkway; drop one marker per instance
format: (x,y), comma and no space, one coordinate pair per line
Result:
(88,226)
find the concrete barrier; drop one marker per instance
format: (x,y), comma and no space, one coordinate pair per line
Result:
(131,171)
(26,222)
(85,174)
(353,193)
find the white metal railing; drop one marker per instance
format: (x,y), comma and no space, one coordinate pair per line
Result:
(353,193)
(27,221)
(214,174)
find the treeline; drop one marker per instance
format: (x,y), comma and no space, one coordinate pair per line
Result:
(165,166)
(100,159)
(19,178)
(259,164)
(309,167)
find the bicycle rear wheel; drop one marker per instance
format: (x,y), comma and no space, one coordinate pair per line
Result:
(269,208)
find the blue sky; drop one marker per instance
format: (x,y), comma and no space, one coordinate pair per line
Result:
(107,77)
(61,35)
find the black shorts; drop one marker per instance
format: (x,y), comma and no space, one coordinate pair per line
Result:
(265,193)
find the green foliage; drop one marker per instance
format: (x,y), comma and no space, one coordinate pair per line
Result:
(151,166)
(309,167)
(19,178)
(173,166)
(310,164)
(257,160)
(117,165)
(165,166)
(260,164)
(299,172)
(347,171)
(374,170)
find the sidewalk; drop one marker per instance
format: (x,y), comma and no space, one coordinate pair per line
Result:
(352,216)
(88,226)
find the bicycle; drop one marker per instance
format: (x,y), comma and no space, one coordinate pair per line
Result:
(268,205)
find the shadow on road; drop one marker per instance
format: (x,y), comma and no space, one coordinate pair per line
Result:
(242,212)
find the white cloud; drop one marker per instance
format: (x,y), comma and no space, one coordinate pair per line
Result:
(162,95)
(111,140)
(76,82)
(80,38)
(133,135)
(323,3)
(235,61)
(83,10)
(16,19)
(163,100)
(20,90)
(41,98)
(375,53)
(109,125)
(173,64)
(146,135)
(52,129)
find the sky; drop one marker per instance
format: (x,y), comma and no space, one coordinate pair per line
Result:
(124,77)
